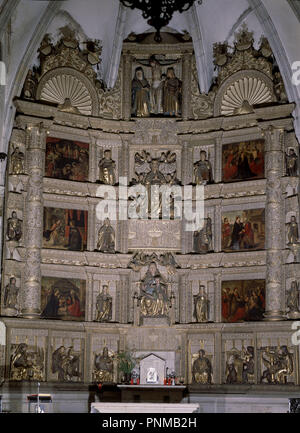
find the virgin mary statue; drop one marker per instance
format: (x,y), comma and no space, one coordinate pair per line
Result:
(154,294)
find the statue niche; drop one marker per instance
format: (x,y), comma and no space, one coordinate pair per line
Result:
(161,95)
(103,366)
(154,300)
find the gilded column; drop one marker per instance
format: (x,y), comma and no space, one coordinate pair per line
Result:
(274,223)
(186,85)
(35,144)
(127,78)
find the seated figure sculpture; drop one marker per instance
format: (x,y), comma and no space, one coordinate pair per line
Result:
(154,299)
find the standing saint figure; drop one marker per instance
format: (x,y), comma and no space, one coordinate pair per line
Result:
(293,299)
(14,227)
(203,170)
(140,94)
(154,177)
(172,94)
(201,306)
(293,233)
(107,169)
(203,238)
(202,369)
(104,306)
(291,161)
(11,294)
(106,238)
(17,162)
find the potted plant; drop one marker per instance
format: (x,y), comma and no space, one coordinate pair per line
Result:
(126,362)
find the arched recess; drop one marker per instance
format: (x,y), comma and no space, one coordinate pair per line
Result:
(243,90)
(64,83)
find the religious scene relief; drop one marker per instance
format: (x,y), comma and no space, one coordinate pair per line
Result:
(27,362)
(277,365)
(66,364)
(202,370)
(103,368)
(240,365)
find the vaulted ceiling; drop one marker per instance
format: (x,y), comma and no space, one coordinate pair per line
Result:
(23,23)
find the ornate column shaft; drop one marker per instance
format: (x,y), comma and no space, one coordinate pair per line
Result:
(274,223)
(35,145)
(127,78)
(186,85)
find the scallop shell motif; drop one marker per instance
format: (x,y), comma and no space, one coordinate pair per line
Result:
(63,86)
(251,89)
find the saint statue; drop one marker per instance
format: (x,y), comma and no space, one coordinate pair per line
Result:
(140,94)
(293,299)
(203,170)
(154,177)
(172,94)
(202,369)
(201,306)
(203,238)
(154,295)
(107,169)
(104,306)
(291,160)
(293,234)
(11,294)
(103,367)
(17,162)
(14,227)
(106,238)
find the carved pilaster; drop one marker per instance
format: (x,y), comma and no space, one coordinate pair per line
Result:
(35,144)
(93,169)
(218,298)
(186,85)
(124,286)
(127,66)
(274,223)
(182,298)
